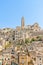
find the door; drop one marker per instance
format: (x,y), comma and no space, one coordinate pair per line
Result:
(13,63)
(0,62)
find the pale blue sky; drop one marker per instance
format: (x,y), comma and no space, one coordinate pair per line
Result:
(11,12)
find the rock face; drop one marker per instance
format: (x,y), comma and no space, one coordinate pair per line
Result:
(10,35)
(27,41)
(23,45)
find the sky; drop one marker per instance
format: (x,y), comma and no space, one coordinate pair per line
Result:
(11,12)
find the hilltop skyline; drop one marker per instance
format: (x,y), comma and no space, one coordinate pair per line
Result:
(22,23)
(11,12)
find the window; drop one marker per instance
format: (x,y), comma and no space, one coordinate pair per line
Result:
(40,58)
(8,58)
(13,38)
(39,64)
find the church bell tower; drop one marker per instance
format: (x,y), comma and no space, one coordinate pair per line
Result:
(22,23)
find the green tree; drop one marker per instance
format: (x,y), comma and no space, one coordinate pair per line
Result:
(27,41)
(32,40)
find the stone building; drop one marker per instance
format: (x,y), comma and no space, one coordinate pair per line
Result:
(12,55)
(24,59)
(22,23)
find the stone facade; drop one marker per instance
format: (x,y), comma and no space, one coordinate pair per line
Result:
(13,48)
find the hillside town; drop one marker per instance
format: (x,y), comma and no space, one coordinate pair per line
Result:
(22,45)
